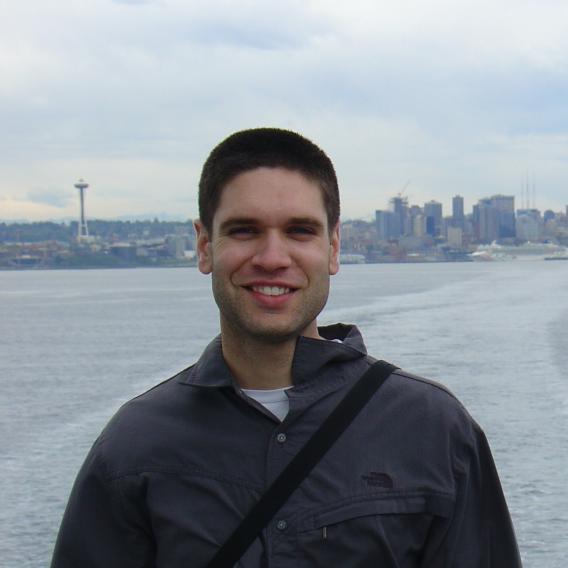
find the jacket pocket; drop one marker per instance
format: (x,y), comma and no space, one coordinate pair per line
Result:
(386,530)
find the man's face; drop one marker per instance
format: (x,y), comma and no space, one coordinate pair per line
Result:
(270,255)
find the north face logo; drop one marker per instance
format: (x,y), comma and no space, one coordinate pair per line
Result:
(378,479)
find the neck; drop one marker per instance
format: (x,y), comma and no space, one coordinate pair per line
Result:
(256,364)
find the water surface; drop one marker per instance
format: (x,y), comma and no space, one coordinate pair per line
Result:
(74,345)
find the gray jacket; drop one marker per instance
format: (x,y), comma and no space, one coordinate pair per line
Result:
(411,483)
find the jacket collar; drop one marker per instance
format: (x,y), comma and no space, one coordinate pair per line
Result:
(310,357)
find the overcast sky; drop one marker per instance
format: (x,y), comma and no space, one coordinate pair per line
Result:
(440,96)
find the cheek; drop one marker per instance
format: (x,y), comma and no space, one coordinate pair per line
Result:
(229,259)
(316,261)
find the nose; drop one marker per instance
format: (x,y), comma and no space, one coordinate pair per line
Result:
(272,252)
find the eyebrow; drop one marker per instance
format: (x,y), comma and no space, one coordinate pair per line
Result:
(311,221)
(235,221)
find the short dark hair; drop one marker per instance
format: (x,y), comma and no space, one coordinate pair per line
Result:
(265,147)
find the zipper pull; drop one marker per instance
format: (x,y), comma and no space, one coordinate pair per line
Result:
(324,533)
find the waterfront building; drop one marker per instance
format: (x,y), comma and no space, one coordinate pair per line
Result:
(176,245)
(419,225)
(455,237)
(528,226)
(358,236)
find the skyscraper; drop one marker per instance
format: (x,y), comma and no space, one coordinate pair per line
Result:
(458,216)
(433,214)
(399,206)
(505,205)
(485,221)
(528,225)
(384,222)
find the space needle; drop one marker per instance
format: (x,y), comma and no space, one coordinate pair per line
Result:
(82,231)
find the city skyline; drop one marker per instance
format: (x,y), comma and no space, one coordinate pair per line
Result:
(457,97)
(520,203)
(371,216)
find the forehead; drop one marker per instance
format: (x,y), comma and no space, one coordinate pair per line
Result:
(270,194)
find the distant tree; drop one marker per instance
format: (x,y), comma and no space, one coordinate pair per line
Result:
(35,232)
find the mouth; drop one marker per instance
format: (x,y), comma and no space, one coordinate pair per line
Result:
(271,290)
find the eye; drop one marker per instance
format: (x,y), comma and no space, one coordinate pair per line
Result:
(301,230)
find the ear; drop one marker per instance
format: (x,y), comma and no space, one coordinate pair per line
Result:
(203,246)
(335,245)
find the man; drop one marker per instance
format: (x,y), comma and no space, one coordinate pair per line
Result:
(411,482)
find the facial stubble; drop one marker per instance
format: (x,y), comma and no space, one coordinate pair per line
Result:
(244,325)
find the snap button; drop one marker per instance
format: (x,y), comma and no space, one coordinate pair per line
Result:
(281,438)
(281,525)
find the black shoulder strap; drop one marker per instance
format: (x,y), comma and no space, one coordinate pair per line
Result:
(301,465)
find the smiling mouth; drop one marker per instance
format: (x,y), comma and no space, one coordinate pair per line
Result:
(271,290)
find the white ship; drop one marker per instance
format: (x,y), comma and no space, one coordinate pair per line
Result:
(351,258)
(560,255)
(526,251)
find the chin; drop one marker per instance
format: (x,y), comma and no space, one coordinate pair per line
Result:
(271,334)
(274,336)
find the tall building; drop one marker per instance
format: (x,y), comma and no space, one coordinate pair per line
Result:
(505,205)
(494,218)
(415,222)
(455,237)
(485,221)
(385,222)
(419,225)
(433,215)
(399,207)
(528,226)
(458,216)
(548,215)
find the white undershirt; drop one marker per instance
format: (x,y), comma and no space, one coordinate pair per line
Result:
(274,400)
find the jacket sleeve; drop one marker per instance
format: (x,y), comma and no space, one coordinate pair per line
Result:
(479,533)
(103,525)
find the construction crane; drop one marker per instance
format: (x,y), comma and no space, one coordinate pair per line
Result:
(403,190)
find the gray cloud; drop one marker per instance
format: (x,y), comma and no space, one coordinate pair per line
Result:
(455,99)
(134,2)
(59,198)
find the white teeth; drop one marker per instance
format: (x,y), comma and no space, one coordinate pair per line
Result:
(271,290)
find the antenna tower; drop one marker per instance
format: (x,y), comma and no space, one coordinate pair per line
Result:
(82,231)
